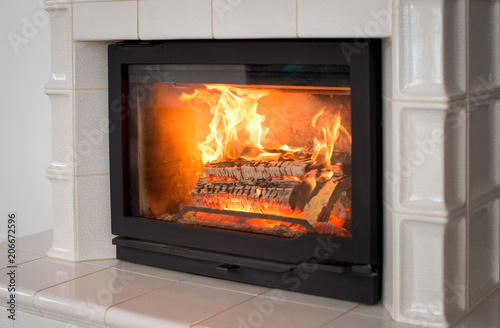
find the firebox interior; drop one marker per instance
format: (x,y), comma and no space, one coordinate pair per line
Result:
(270,141)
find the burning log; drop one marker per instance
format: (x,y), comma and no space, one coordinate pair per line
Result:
(325,197)
(245,170)
(271,196)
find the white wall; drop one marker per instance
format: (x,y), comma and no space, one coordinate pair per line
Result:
(25,124)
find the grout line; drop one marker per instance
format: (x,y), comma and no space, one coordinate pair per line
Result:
(216,314)
(467,160)
(151,291)
(91,175)
(100,1)
(297,19)
(75,278)
(334,319)
(451,101)
(73,93)
(138,37)
(90,89)
(212,18)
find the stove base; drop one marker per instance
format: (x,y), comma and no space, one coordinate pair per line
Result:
(356,283)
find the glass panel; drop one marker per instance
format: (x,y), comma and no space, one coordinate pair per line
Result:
(274,140)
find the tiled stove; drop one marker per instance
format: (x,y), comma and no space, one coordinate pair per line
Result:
(441,117)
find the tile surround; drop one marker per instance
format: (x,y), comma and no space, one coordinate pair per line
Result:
(431,63)
(172,19)
(254,19)
(122,294)
(182,304)
(85,300)
(338,19)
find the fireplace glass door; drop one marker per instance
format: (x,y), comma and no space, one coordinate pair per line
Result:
(256,148)
(249,160)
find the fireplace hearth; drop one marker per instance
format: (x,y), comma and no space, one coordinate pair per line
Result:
(253,161)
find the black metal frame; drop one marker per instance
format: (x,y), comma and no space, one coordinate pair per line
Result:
(365,245)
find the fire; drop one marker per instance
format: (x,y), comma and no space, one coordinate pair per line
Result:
(235,122)
(249,167)
(236,125)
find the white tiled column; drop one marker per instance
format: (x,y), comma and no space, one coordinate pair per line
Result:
(441,160)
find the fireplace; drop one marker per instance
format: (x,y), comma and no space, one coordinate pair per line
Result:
(440,108)
(253,161)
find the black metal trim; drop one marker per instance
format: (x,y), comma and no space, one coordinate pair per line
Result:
(364,60)
(351,283)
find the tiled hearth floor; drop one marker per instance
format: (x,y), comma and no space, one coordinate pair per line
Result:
(111,293)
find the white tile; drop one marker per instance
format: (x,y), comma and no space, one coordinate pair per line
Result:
(40,274)
(431,269)
(62,161)
(485,316)
(344,19)
(26,320)
(254,19)
(484,46)
(388,175)
(63,198)
(387,71)
(36,244)
(85,300)
(173,19)
(266,312)
(350,320)
(93,217)
(4,319)
(75,1)
(94,21)
(431,158)
(176,305)
(107,263)
(20,257)
(389,280)
(61,39)
(312,300)
(484,250)
(430,43)
(484,146)
(91,65)
(152,271)
(376,311)
(92,130)
(56,2)
(226,285)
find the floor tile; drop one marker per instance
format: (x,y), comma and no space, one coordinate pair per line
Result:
(376,311)
(176,305)
(319,301)
(152,271)
(104,263)
(36,275)
(85,300)
(20,257)
(38,243)
(271,312)
(486,315)
(350,320)
(4,320)
(26,320)
(227,285)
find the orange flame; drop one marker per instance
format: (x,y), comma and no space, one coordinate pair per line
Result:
(236,125)
(235,118)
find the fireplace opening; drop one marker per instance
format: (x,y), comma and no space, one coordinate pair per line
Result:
(203,153)
(250,160)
